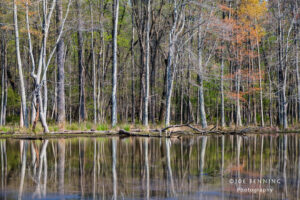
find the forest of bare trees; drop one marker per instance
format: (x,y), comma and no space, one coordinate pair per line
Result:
(208,62)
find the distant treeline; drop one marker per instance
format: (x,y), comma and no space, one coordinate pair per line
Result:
(150,61)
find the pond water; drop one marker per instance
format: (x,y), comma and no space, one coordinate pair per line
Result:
(205,167)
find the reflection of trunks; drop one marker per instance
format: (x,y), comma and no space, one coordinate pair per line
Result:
(151,168)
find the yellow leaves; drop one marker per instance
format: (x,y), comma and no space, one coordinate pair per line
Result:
(252,10)
(250,14)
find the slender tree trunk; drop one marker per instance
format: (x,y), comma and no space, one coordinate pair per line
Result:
(260,87)
(147,70)
(222,94)
(82,109)
(115,62)
(298,76)
(238,107)
(61,112)
(94,68)
(270,99)
(200,76)
(20,67)
(169,81)
(162,110)
(152,82)
(171,66)
(132,74)
(4,81)
(281,74)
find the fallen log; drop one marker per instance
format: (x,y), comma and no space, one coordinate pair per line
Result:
(133,134)
(184,125)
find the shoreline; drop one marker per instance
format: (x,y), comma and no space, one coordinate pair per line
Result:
(154,133)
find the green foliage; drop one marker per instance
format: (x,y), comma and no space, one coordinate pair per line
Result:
(88,125)
(72,127)
(4,129)
(102,127)
(126,127)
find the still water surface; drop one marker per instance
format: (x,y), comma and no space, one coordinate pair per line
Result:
(205,167)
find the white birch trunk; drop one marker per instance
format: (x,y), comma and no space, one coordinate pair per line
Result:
(114,67)
(260,87)
(147,70)
(20,67)
(200,75)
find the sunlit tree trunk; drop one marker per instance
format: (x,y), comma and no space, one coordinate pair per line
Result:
(238,107)
(222,94)
(200,75)
(20,67)
(114,63)
(178,23)
(147,70)
(260,87)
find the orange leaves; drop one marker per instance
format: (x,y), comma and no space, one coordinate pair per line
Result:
(7,28)
(251,76)
(225,8)
(33,32)
(234,96)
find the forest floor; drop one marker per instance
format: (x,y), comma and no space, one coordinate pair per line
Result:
(126,130)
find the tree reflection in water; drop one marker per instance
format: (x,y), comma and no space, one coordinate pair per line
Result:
(148,168)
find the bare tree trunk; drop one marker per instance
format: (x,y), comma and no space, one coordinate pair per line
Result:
(281,74)
(200,79)
(270,98)
(20,67)
(114,67)
(61,112)
(170,80)
(222,94)
(94,68)
(132,73)
(171,66)
(260,87)
(238,107)
(147,70)
(4,81)
(82,109)
(298,76)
